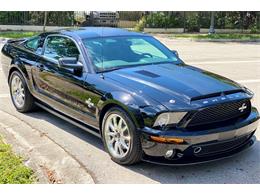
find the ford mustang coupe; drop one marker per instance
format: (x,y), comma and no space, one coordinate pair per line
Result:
(133,92)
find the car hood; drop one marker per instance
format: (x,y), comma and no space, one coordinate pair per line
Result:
(172,85)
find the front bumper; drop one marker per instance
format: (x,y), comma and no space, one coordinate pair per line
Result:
(201,145)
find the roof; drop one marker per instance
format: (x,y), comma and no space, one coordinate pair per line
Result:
(94,32)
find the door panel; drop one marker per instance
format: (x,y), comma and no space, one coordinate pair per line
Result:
(63,90)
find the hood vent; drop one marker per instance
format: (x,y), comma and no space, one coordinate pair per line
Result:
(147,73)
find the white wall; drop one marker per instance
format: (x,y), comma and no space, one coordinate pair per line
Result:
(206,30)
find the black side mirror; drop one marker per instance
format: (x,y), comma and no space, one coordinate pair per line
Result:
(39,50)
(70,63)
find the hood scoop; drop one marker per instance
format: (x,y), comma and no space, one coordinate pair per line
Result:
(147,73)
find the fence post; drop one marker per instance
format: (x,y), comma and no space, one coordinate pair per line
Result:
(184,22)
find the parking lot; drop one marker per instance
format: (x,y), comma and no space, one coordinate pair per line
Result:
(237,61)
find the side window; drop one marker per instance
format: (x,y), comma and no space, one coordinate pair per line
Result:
(32,44)
(57,47)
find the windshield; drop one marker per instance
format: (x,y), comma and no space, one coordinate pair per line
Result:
(110,53)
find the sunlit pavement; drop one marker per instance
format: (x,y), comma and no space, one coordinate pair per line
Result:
(238,61)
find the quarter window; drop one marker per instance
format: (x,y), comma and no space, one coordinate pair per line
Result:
(58,47)
(32,44)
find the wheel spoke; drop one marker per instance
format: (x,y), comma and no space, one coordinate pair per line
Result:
(111,126)
(120,149)
(114,122)
(111,133)
(112,140)
(127,138)
(117,136)
(17,91)
(120,123)
(123,144)
(116,147)
(124,129)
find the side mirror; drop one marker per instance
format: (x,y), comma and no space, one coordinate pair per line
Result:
(70,63)
(175,53)
(39,50)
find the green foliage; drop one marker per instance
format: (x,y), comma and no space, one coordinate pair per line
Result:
(56,18)
(164,20)
(253,29)
(17,34)
(12,170)
(140,25)
(192,22)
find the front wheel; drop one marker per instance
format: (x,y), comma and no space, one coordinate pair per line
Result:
(120,137)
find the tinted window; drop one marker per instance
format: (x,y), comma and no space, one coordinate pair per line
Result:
(58,47)
(32,44)
(119,52)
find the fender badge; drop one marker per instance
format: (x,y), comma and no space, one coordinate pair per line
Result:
(89,103)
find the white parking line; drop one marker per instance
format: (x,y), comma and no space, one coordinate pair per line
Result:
(226,62)
(249,81)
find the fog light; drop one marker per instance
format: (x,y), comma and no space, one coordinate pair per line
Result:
(170,153)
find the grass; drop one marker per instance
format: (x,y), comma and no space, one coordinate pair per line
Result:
(12,169)
(17,34)
(236,36)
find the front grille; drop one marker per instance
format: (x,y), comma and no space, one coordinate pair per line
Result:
(214,148)
(107,15)
(220,113)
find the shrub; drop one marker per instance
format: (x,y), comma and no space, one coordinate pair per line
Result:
(140,24)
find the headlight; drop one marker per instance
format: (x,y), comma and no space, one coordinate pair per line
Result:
(168,118)
(254,102)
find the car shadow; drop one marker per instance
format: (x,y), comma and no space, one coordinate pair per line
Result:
(68,127)
(237,169)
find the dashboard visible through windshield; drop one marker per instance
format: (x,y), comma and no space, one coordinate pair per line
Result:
(109,53)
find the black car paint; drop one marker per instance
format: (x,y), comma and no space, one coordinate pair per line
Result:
(143,92)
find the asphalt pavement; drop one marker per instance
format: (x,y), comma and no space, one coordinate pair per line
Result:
(237,61)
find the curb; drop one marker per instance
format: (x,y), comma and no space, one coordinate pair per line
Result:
(50,162)
(227,40)
(216,40)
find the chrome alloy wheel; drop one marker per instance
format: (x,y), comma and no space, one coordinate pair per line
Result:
(17,91)
(117,136)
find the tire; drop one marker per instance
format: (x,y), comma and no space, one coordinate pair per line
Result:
(134,153)
(28,100)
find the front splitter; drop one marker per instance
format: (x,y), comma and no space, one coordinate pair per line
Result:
(184,161)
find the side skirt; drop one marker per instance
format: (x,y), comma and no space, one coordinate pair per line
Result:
(82,126)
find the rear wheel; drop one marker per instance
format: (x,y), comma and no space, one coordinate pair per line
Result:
(120,137)
(21,97)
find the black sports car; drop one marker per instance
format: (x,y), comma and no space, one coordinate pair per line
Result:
(133,92)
